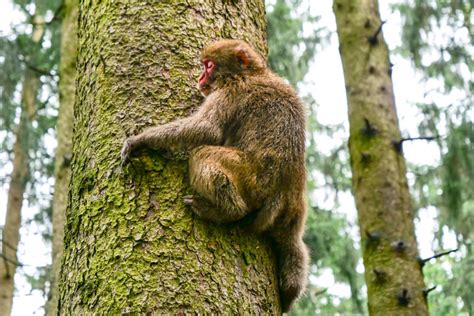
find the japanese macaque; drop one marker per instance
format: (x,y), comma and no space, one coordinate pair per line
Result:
(247,158)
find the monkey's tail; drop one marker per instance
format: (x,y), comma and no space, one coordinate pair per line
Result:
(293,261)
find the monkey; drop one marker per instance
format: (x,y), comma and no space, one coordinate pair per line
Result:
(247,148)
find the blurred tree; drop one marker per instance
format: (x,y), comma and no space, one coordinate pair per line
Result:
(27,56)
(62,170)
(392,272)
(20,174)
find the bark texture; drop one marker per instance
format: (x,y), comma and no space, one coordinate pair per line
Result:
(392,272)
(62,170)
(18,180)
(131,246)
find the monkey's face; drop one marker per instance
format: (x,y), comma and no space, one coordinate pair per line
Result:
(225,61)
(207,76)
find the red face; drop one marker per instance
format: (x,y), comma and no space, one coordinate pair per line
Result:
(204,83)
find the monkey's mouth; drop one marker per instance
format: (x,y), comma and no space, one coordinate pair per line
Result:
(203,79)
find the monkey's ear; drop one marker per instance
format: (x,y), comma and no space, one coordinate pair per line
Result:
(243,57)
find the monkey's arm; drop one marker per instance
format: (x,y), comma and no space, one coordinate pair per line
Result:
(202,128)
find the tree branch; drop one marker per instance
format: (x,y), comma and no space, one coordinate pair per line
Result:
(427,138)
(10,260)
(7,244)
(57,16)
(42,72)
(436,256)
(428,290)
(373,40)
(399,143)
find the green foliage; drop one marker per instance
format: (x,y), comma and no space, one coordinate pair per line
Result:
(332,247)
(328,237)
(39,280)
(438,37)
(10,76)
(454,297)
(440,303)
(19,54)
(290,50)
(463,277)
(458,180)
(446,55)
(334,166)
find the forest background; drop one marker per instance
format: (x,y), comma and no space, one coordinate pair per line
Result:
(432,57)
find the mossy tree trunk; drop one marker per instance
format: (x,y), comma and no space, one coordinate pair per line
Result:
(62,170)
(392,272)
(130,243)
(19,177)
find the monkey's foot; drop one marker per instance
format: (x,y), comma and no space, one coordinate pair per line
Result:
(129,147)
(200,206)
(188,199)
(126,151)
(196,202)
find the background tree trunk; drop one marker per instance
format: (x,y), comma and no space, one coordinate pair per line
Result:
(62,170)
(392,272)
(11,229)
(130,244)
(18,179)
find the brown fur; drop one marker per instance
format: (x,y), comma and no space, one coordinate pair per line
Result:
(249,141)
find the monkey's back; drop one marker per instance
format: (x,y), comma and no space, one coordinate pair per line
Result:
(268,123)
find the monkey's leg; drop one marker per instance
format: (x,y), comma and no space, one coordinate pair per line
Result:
(222,179)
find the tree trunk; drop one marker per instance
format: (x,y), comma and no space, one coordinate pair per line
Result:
(18,180)
(11,229)
(131,246)
(62,170)
(392,272)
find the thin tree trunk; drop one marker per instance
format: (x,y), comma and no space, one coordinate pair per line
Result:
(62,170)
(18,180)
(131,246)
(355,287)
(11,229)
(392,272)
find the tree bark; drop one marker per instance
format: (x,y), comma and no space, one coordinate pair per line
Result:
(62,170)
(131,246)
(393,274)
(18,179)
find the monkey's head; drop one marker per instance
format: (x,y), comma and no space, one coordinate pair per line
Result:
(224,61)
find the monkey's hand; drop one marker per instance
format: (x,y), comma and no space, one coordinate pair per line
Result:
(129,146)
